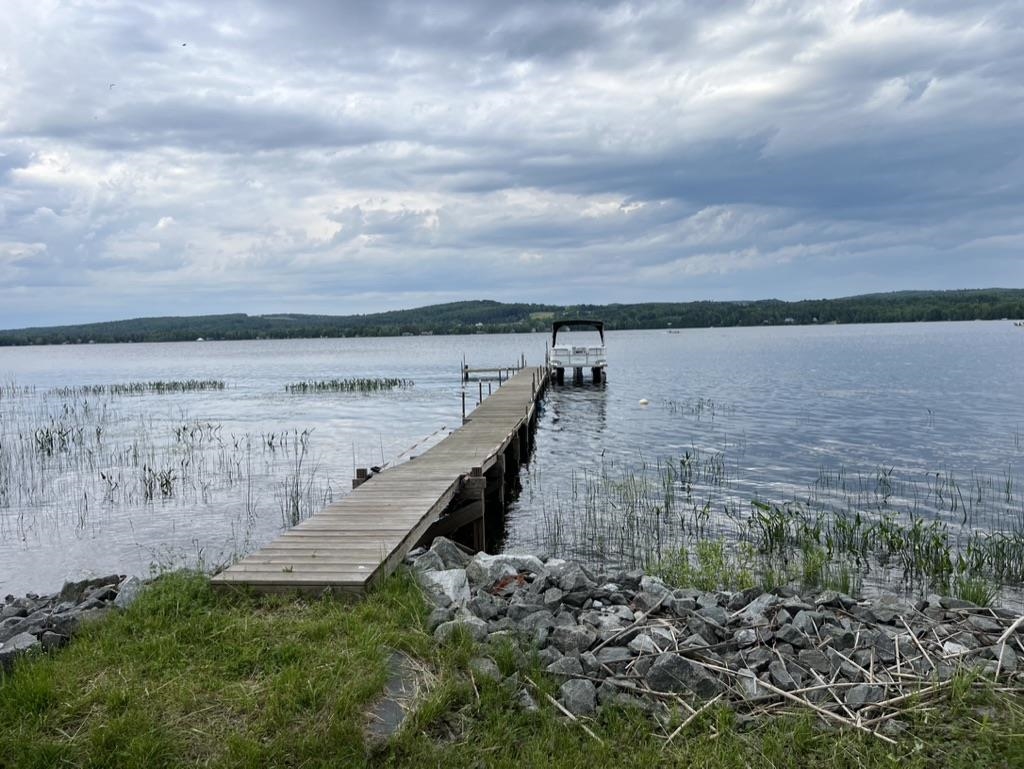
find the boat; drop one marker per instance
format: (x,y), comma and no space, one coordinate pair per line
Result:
(577,357)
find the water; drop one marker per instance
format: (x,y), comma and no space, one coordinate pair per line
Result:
(765,413)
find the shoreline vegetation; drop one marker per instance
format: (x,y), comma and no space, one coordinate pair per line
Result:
(473,317)
(186,677)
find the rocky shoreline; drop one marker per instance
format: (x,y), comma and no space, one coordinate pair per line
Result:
(33,622)
(627,638)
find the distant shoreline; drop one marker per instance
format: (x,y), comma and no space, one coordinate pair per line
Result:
(489,317)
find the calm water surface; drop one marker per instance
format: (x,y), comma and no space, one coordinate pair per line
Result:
(773,411)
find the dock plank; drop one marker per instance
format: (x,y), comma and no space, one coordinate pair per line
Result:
(354,542)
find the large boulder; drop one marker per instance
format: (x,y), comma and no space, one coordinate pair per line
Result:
(445,587)
(484,570)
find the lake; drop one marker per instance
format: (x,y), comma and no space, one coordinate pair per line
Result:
(923,417)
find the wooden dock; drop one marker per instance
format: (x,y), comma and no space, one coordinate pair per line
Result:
(453,488)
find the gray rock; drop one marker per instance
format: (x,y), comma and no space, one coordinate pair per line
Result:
(672,673)
(568,576)
(428,560)
(15,647)
(655,587)
(863,694)
(791,635)
(812,659)
(745,637)
(519,611)
(566,666)
(645,601)
(52,641)
(526,702)
(750,686)
(573,639)
(552,598)
(579,696)
(760,608)
(549,655)
(486,606)
(681,607)
(486,569)
(128,592)
(537,620)
(453,556)
(475,627)
(439,615)
(445,587)
(76,591)
(644,643)
(615,658)
(952,647)
(485,667)
(756,659)
(781,676)
(714,615)
(984,624)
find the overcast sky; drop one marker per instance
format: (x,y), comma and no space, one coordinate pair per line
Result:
(177,157)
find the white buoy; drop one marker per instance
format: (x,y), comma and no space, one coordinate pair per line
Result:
(644,401)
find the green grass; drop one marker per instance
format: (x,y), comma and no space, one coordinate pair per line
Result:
(188,678)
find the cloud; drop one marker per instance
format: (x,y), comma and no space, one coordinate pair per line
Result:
(329,156)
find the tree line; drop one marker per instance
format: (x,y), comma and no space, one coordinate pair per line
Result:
(497,317)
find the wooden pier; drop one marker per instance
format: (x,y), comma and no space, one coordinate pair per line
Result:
(456,487)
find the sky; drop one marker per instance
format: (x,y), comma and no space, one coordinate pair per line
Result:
(183,157)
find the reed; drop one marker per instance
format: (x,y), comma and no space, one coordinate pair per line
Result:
(140,388)
(369,385)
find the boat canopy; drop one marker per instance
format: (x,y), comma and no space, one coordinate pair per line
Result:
(560,324)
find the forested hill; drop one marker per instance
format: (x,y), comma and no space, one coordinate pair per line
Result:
(493,317)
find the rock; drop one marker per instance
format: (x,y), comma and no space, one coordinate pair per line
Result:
(439,615)
(745,637)
(781,676)
(756,659)
(791,635)
(863,694)
(526,702)
(614,658)
(549,655)
(812,659)
(644,643)
(681,607)
(714,616)
(485,667)
(573,639)
(389,713)
(475,627)
(655,587)
(518,611)
(758,610)
(486,569)
(15,647)
(566,666)
(672,673)
(952,647)
(579,696)
(542,619)
(552,598)
(950,603)
(750,686)
(446,587)
(645,601)
(428,561)
(51,641)
(128,591)
(453,556)
(984,624)
(486,606)
(569,577)
(76,591)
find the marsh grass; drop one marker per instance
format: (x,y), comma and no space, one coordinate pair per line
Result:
(883,530)
(159,387)
(364,385)
(77,463)
(188,678)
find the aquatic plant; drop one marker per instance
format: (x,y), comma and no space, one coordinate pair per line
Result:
(367,385)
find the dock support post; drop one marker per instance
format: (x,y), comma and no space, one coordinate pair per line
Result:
(362,476)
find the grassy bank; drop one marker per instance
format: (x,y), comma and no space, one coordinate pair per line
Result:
(188,678)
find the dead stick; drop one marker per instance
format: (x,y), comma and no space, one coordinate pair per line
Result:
(636,622)
(562,708)
(825,713)
(1002,641)
(691,717)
